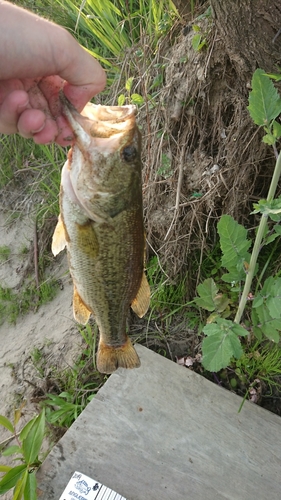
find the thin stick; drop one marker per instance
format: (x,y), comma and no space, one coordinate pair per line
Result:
(35,242)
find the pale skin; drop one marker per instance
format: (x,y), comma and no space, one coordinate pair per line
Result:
(37,59)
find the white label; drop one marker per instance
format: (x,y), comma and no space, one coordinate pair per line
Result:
(81,487)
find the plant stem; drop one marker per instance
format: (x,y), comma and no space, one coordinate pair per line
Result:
(257,244)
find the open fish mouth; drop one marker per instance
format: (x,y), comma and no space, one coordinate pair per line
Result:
(99,121)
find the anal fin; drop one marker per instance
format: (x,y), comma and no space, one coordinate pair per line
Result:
(109,358)
(59,240)
(81,312)
(141,302)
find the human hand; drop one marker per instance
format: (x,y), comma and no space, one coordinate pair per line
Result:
(38,58)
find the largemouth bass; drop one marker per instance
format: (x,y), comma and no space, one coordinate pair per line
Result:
(101,226)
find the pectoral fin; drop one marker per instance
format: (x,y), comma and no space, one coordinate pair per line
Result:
(59,241)
(141,303)
(81,312)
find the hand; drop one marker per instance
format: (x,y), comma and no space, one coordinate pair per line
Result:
(38,58)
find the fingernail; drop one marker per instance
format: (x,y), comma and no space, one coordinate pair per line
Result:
(22,106)
(38,129)
(69,138)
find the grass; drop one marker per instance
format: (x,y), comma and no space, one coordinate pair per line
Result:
(29,297)
(30,180)
(75,385)
(5,252)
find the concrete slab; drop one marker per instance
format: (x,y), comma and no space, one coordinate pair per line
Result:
(162,431)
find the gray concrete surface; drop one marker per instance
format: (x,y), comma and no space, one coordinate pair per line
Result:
(164,432)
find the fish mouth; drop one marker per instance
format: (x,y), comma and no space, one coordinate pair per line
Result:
(100,121)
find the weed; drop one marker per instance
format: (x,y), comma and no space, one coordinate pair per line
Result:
(166,297)
(222,342)
(4,253)
(21,478)
(262,361)
(12,303)
(166,166)
(78,384)
(38,360)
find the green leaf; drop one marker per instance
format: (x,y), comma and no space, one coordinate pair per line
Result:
(239,330)
(269,239)
(129,83)
(276,129)
(258,301)
(202,44)
(277,229)
(234,246)
(25,430)
(269,139)
(267,207)
(5,468)
(196,40)
(274,300)
(221,344)
(11,450)
(6,423)
(121,99)
(221,302)
(33,441)
(267,302)
(20,486)
(137,99)
(264,100)
(17,414)
(207,291)
(157,81)
(255,320)
(274,76)
(30,487)
(233,277)
(10,479)
(257,332)
(270,332)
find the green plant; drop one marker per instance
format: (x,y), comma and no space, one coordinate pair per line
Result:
(167,298)
(166,166)
(38,360)
(13,303)
(199,40)
(17,156)
(110,27)
(4,253)
(134,98)
(223,335)
(262,361)
(78,384)
(21,478)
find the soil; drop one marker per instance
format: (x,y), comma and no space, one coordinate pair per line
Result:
(49,328)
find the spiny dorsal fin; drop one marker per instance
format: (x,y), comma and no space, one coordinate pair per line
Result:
(80,311)
(59,241)
(141,302)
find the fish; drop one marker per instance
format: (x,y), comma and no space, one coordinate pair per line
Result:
(101,226)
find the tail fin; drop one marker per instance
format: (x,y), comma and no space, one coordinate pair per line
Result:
(110,358)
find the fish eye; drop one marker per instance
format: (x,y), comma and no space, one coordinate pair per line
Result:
(129,153)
